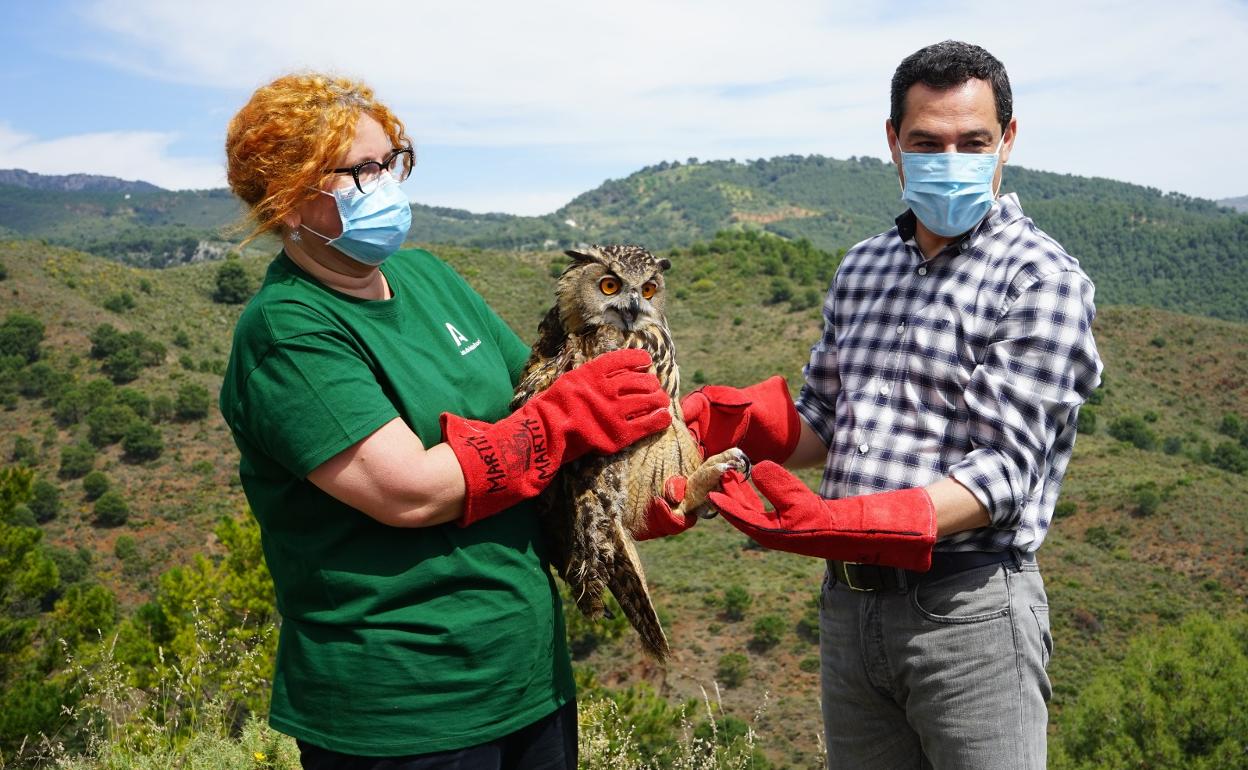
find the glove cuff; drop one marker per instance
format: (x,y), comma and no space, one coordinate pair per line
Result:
(503,463)
(774,426)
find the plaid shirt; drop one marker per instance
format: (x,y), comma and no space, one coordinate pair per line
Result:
(971,364)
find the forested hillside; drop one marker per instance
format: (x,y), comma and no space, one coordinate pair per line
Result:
(120,511)
(1140,246)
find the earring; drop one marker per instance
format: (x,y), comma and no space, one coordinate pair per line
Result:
(294,236)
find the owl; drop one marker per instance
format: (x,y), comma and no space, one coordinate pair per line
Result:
(612,297)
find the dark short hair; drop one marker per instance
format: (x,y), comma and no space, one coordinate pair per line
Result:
(946,65)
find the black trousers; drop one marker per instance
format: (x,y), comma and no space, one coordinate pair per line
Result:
(547,744)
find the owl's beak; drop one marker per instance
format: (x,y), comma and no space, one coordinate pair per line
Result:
(632,311)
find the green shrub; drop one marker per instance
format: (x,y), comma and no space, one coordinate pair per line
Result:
(108,424)
(138,402)
(123,366)
(808,623)
(1175,701)
(70,407)
(123,356)
(736,601)
(111,509)
(1086,421)
(105,341)
(125,547)
(768,630)
(24,451)
(1147,499)
(77,460)
(95,484)
(1064,509)
(21,516)
(233,285)
(181,339)
(162,408)
(142,442)
(20,336)
(119,302)
(192,402)
(809,664)
(1100,537)
(45,501)
(732,669)
(39,380)
(1230,456)
(1232,425)
(72,566)
(1173,445)
(4,271)
(1133,429)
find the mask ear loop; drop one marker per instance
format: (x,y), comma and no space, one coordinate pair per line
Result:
(294,234)
(1000,167)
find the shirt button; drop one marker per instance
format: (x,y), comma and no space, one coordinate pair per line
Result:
(901,328)
(863,448)
(884,390)
(922,271)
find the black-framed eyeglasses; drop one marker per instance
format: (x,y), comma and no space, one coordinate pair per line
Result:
(398,163)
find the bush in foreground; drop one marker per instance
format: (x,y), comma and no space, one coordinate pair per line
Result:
(1176,701)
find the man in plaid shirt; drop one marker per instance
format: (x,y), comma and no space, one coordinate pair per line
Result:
(942,402)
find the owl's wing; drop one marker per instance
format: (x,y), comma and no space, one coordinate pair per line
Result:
(547,361)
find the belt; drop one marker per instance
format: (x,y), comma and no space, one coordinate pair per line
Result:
(874,577)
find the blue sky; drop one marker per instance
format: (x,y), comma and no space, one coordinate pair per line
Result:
(518,107)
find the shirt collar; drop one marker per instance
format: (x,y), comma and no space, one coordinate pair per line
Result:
(1005,209)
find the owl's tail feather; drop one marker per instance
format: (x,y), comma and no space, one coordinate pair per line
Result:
(627,582)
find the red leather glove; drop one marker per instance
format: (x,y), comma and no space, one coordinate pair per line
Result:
(601,406)
(661,520)
(760,419)
(897,529)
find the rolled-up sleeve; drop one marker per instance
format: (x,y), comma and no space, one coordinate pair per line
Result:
(1024,395)
(816,403)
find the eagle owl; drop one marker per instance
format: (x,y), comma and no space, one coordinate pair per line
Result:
(612,297)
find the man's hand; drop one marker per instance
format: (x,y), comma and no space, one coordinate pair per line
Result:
(897,529)
(759,420)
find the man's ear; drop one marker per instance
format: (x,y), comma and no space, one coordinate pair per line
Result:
(1007,145)
(894,144)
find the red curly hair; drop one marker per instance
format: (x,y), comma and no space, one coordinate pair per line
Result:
(279,145)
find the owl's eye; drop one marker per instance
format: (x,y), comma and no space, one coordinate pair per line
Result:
(648,289)
(609,285)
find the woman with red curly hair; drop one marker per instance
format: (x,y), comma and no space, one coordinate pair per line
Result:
(367,391)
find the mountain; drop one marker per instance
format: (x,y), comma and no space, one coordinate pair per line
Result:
(16,177)
(1141,246)
(1240,204)
(1150,531)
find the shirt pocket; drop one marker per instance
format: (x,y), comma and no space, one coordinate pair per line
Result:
(939,357)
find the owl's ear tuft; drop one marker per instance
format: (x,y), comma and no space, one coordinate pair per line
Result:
(588,255)
(665,263)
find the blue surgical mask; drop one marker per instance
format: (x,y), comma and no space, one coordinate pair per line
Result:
(950,192)
(374,224)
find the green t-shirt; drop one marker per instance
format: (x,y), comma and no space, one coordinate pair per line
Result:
(393,641)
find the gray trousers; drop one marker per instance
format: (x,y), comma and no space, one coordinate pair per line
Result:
(949,675)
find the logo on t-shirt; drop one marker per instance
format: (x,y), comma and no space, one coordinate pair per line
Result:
(459,339)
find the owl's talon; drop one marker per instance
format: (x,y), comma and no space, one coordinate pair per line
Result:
(740,463)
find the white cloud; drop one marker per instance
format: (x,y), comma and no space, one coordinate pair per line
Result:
(124,154)
(1101,88)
